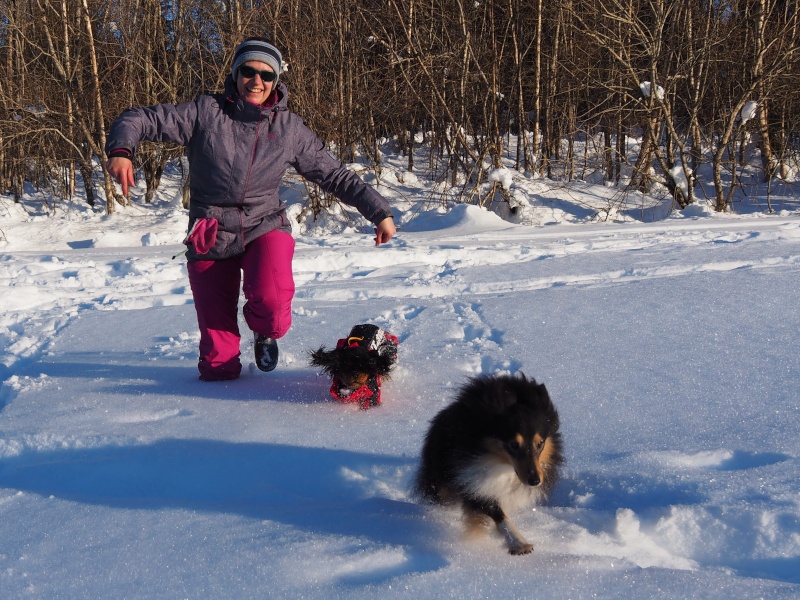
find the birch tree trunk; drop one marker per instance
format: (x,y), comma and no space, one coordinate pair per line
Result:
(98,145)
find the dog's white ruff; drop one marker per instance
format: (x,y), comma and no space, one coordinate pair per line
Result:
(489,477)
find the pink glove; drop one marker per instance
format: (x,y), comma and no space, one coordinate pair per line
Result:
(203,235)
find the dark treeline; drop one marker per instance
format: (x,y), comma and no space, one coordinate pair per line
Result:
(459,76)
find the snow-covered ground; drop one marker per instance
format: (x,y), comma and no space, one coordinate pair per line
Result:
(669,345)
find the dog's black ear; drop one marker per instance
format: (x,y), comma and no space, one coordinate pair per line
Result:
(546,405)
(327,359)
(534,394)
(383,363)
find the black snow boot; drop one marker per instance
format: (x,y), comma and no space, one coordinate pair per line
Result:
(266,350)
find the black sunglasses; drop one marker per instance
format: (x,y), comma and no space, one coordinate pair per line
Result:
(250,72)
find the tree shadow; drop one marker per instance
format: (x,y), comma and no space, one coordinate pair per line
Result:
(312,489)
(124,374)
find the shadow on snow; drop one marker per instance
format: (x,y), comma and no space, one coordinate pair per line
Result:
(313,489)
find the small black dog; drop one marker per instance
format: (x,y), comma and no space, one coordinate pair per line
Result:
(358,363)
(494,448)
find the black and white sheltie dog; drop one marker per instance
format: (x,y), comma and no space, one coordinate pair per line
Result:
(493,449)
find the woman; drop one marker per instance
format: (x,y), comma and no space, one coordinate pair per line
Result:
(239,145)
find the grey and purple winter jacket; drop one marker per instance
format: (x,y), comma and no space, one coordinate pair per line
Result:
(238,153)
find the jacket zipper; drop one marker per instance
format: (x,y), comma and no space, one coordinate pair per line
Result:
(249,173)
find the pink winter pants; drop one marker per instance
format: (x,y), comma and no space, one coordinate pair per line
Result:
(264,272)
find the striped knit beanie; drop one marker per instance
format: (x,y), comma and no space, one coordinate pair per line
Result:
(257,49)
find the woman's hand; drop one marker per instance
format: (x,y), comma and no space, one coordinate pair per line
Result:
(384,231)
(121,169)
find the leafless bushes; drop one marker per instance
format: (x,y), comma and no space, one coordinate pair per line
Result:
(467,75)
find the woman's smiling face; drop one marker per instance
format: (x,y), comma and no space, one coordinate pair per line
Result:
(254,89)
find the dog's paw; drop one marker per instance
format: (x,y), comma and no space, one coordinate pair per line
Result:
(520,549)
(517,544)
